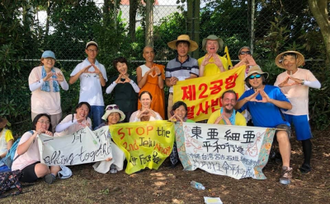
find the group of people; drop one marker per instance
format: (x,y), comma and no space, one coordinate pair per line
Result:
(141,98)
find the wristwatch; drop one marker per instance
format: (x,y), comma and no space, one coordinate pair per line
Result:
(303,81)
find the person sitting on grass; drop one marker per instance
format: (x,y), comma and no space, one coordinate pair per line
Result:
(145,113)
(27,156)
(6,138)
(74,122)
(111,116)
(179,114)
(227,115)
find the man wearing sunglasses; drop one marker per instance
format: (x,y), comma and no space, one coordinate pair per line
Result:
(295,83)
(265,102)
(245,58)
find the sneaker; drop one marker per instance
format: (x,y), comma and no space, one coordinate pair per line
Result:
(50,178)
(286,175)
(305,168)
(113,169)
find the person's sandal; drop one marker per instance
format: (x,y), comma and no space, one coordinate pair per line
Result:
(286,175)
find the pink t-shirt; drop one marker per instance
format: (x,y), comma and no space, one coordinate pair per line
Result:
(297,94)
(43,101)
(30,156)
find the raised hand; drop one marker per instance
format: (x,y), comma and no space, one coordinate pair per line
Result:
(48,76)
(59,77)
(96,71)
(173,80)
(217,60)
(265,98)
(118,80)
(296,80)
(206,59)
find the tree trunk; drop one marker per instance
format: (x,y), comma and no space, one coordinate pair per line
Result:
(319,9)
(193,22)
(149,38)
(133,6)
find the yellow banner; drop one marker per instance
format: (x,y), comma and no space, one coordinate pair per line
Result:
(202,94)
(145,144)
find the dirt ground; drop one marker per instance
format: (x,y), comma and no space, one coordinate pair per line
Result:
(171,185)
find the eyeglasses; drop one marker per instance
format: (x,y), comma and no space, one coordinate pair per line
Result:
(255,76)
(44,122)
(90,50)
(245,52)
(111,107)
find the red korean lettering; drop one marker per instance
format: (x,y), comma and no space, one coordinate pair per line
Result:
(189,92)
(216,88)
(215,104)
(202,109)
(190,112)
(230,81)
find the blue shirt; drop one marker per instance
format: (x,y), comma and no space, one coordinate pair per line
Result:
(265,114)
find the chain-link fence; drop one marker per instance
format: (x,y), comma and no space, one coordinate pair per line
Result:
(267,26)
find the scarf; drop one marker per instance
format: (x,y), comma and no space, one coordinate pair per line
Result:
(45,86)
(232,117)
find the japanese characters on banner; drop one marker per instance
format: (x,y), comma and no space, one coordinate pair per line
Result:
(235,151)
(145,144)
(202,94)
(83,146)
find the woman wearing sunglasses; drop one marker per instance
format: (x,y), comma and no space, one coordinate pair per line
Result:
(111,116)
(74,122)
(145,113)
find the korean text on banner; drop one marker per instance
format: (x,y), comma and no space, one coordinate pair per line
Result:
(145,144)
(202,94)
(234,151)
(83,146)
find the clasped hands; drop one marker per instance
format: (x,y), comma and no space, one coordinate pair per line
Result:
(152,70)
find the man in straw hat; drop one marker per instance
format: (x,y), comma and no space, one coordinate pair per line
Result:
(295,83)
(182,67)
(212,63)
(265,103)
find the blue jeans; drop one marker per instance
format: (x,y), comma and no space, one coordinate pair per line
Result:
(96,115)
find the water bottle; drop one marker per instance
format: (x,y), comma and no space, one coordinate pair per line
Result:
(197,185)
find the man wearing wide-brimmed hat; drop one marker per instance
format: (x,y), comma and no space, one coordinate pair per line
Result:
(295,83)
(182,67)
(212,64)
(265,103)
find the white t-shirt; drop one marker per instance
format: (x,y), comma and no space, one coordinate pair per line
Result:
(297,94)
(30,156)
(90,85)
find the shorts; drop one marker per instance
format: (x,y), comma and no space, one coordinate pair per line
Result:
(29,174)
(286,128)
(301,126)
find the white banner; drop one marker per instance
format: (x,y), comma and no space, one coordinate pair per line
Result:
(83,146)
(235,151)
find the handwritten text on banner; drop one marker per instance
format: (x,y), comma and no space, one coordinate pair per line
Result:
(145,144)
(83,146)
(235,151)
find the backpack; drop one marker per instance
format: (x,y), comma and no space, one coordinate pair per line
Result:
(9,180)
(9,158)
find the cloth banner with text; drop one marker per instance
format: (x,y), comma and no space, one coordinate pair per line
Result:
(234,151)
(83,146)
(202,94)
(145,144)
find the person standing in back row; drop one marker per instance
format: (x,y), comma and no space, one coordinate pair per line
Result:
(295,83)
(93,77)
